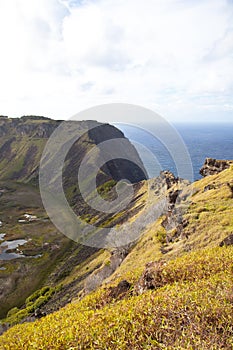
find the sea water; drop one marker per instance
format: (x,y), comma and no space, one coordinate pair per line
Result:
(200,140)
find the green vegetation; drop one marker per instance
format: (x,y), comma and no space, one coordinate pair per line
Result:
(210,214)
(106,188)
(161,235)
(33,302)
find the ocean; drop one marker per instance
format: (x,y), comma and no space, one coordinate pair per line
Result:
(199,140)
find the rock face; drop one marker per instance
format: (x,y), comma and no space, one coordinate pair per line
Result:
(165,180)
(177,193)
(96,279)
(31,126)
(213,166)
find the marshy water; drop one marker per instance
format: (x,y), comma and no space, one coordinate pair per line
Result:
(7,246)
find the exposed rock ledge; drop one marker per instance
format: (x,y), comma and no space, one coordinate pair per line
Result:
(213,166)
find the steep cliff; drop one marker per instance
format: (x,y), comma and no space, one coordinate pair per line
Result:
(23,140)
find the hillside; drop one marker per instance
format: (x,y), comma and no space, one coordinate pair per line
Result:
(171,290)
(33,253)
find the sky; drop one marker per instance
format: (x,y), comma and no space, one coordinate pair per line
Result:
(175,57)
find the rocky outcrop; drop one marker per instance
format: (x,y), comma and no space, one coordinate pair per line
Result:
(152,277)
(120,291)
(213,166)
(97,278)
(164,181)
(177,193)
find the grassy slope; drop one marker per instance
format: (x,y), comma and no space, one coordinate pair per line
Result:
(22,155)
(21,147)
(211,212)
(210,216)
(191,309)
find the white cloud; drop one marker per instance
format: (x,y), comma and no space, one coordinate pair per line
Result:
(60,56)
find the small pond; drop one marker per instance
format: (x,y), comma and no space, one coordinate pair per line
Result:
(5,246)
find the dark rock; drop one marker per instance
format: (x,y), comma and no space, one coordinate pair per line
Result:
(230,186)
(172,197)
(38,313)
(227,241)
(120,290)
(209,187)
(151,277)
(213,166)
(4,327)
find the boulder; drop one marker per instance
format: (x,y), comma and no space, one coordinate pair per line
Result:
(120,290)
(39,313)
(227,241)
(151,277)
